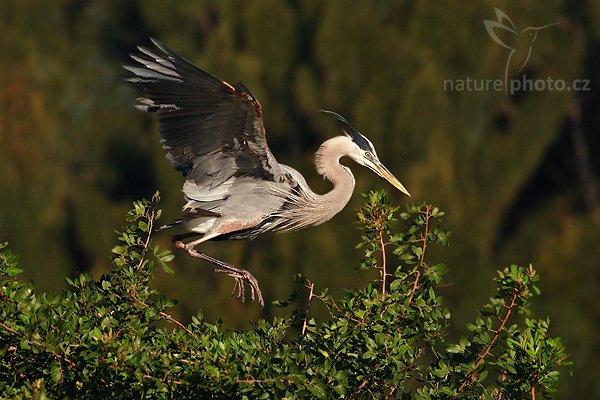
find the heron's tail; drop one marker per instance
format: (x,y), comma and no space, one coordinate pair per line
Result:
(169,225)
(189,215)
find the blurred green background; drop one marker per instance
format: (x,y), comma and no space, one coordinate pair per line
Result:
(517,175)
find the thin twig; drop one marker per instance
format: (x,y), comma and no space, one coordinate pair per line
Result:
(422,257)
(383,265)
(503,321)
(415,285)
(166,316)
(365,382)
(8,328)
(391,393)
(484,354)
(267,380)
(310,287)
(345,314)
(39,344)
(176,322)
(147,244)
(359,389)
(176,382)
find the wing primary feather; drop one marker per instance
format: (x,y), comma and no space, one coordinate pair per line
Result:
(206,124)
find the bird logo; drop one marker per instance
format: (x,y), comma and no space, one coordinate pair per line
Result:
(520,52)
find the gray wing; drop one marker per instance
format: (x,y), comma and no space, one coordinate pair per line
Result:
(212,131)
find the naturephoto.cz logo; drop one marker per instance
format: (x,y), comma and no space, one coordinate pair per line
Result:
(519,47)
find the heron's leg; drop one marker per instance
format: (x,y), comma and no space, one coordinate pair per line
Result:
(238,274)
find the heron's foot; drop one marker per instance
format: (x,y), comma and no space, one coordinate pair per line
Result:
(239,290)
(240,275)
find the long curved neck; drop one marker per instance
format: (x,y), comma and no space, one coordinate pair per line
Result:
(327,160)
(307,208)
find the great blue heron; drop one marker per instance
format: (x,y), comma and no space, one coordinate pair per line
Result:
(214,135)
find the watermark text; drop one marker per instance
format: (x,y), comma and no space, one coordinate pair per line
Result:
(514,86)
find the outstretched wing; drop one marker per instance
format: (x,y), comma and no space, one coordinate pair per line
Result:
(212,131)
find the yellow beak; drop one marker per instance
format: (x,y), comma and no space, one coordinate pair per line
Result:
(382,171)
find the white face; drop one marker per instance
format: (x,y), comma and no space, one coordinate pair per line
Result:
(368,158)
(365,158)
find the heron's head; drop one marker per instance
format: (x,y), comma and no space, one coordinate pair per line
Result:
(363,152)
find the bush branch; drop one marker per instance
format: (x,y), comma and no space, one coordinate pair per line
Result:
(424,237)
(266,380)
(310,287)
(147,243)
(383,265)
(484,354)
(166,316)
(40,345)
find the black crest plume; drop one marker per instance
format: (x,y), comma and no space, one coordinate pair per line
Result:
(356,136)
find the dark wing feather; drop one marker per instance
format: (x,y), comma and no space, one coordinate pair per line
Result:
(211,130)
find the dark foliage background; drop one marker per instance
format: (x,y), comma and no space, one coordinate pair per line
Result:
(517,175)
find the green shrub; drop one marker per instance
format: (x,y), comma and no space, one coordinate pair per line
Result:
(107,338)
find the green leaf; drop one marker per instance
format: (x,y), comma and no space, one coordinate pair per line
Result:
(436,272)
(395,285)
(167,258)
(117,337)
(56,371)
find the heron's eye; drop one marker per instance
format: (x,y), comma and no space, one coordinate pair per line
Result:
(368,154)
